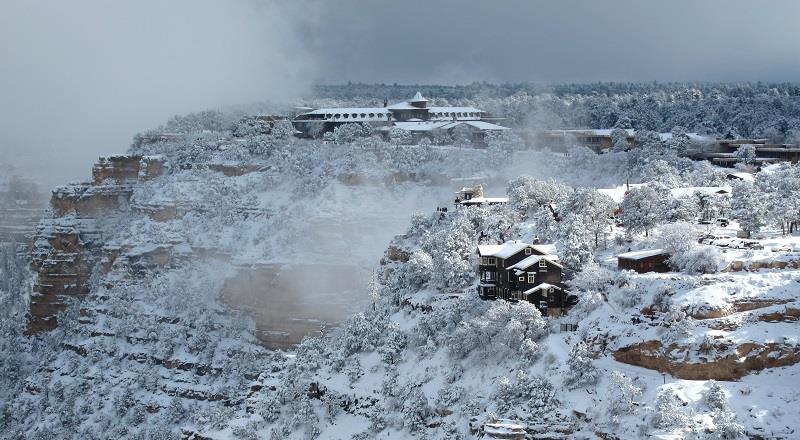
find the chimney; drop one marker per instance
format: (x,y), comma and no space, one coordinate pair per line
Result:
(385,102)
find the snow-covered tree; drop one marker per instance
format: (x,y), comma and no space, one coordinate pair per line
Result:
(642,210)
(677,237)
(577,249)
(668,410)
(748,206)
(619,140)
(698,260)
(623,396)
(581,372)
(746,154)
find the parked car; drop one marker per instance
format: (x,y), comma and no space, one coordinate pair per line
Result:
(723,222)
(737,243)
(722,242)
(711,238)
(753,244)
(782,248)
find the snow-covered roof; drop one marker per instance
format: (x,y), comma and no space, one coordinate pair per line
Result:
(618,193)
(503,429)
(542,286)
(534,259)
(418,98)
(477,200)
(743,176)
(416,125)
(692,137)
(692,190)
(403,106)
(638,255)
(419,126)
(353,113)
(549,249)
(504,250)
(480,125)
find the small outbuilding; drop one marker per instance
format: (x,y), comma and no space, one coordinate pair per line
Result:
(648,260)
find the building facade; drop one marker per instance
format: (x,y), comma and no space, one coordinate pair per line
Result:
(518,271)
(414,116)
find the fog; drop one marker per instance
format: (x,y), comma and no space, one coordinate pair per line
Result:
(80,78)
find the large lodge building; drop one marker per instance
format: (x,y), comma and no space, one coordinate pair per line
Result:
(413,116)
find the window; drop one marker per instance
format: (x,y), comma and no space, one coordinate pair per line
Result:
(363,115)
(372,115)
(522,279)
(527,251)
(327,116)
(542,264)
(531,278)
(487,261)
(337,116)
(355,115)
(346,115)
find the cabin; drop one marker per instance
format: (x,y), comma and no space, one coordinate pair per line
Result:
(474,196)
(650,260)
(414,116)
(519,271)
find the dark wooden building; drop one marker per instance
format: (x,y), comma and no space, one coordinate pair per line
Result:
(517,271)
(650,260)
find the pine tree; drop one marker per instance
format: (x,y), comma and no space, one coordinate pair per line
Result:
(581,372)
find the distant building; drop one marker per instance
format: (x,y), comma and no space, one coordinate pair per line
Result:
(474,197)
(518,271)
(723,152)
(650,260)
(595,139)
(413,116)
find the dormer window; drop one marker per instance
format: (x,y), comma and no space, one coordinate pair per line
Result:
(337,116)
(527,251)
(346,115)
(488,261)
(543,264)
(363,115)
(355,115)
(372,115)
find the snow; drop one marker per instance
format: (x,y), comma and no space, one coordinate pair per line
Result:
(618,193)
(534,259)
(724,190)
(542,286)
(504,250)
(638,255)
(481,200)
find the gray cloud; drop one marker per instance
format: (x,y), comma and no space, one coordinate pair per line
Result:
(80,78)
(453,41)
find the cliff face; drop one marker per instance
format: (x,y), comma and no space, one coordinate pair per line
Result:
(69,245)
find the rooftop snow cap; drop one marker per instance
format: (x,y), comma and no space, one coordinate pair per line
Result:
(418,98)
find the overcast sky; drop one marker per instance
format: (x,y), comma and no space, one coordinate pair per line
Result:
(80,78)
(556,41)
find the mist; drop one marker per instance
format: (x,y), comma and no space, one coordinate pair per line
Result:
(80,78)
